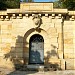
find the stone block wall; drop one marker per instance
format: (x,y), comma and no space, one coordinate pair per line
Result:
(17,27)
(69,44)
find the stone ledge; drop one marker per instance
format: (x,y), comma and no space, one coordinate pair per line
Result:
(36,6)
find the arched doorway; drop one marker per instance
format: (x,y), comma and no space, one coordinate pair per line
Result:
(36,49)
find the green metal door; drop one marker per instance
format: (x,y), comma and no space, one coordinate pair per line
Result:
(36,54)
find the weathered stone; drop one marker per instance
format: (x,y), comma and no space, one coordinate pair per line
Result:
(70,64)
(36,6)
(68,41)
(68,35)
(68,46)
(17,28)
(69,55)
(55,40)
(60,53)
(63,64)
(69,50)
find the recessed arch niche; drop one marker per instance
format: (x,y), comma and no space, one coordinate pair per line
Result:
(26,43)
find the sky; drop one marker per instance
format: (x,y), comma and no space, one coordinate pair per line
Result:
(44,0)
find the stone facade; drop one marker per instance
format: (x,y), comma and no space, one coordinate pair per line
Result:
(56,27)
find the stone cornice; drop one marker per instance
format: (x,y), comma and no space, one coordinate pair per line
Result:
(29,8)
(18,11)
(71,12)
(26,9)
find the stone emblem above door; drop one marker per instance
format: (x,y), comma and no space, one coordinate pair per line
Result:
(37,20)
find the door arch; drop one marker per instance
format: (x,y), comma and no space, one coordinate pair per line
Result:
(36,49)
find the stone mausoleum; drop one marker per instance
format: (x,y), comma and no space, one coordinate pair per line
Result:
(37,33)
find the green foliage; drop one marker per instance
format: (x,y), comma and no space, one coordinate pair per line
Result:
(69,4)
(28,1)
(12,3)
(4,4)
(56,4)
(24,0)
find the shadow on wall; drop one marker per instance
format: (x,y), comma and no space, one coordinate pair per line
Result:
(19,54)
(16,56)
(25,46)
(49,65)
(26,49)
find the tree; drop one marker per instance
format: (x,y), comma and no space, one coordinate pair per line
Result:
(28,1)
(69,4)
(56,4)
(12,3)
(4,4)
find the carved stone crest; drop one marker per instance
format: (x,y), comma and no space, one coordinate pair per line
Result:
(37,20)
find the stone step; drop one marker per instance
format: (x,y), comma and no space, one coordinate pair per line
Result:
(35,66)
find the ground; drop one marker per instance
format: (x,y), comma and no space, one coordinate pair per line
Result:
(5,71)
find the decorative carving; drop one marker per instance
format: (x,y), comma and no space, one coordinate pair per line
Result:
(53,16)
(1,18)
(14,16)
(37,20)
(59,16)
